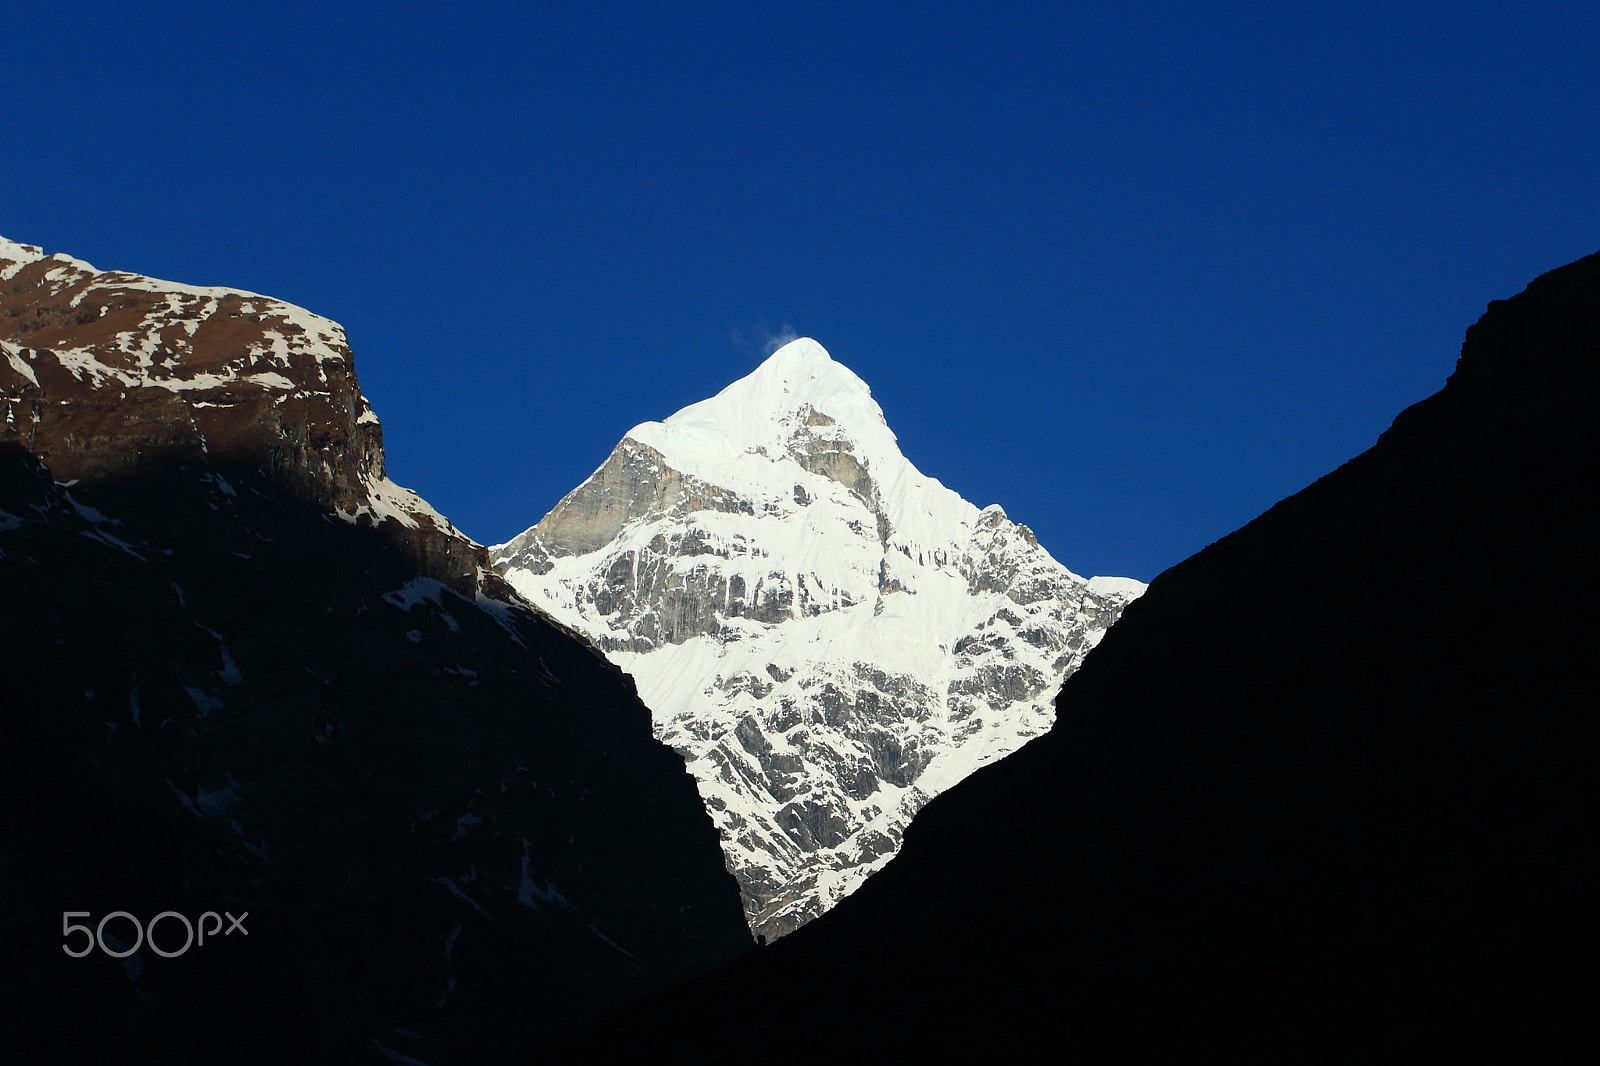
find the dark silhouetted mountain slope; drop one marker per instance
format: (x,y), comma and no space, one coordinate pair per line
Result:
(247,674)
(1324,793)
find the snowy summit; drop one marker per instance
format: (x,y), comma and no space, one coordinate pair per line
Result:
(828,635)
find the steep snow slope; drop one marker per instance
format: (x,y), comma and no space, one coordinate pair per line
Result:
(828,635)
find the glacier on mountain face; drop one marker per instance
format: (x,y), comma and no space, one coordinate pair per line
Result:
(828,636)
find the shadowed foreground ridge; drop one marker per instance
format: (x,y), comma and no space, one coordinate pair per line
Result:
(1321,795)
(247,673)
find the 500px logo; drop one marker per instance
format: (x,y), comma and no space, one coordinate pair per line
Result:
(97,935)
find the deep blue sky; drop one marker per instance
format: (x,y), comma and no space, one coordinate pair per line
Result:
(1135,272)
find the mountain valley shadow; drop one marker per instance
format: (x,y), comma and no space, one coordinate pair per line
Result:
(1322,794)
(445,819)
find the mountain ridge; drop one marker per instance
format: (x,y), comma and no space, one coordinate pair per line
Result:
(141,372)
(255,676)
(827,634)
(1310,800)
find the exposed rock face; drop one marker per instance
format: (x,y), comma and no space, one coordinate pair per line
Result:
(232,689)
(829,637)
(634,483)
(109,374)
(1324,794)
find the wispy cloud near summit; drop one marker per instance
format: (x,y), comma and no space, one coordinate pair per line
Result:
(759,341)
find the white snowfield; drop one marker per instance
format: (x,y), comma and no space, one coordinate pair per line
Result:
(829,636)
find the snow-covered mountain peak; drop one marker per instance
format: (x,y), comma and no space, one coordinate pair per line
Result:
(799,362)
(797,421)
(799,374)
(827,634)
(798,392)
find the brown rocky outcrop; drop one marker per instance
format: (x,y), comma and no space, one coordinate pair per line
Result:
(108,374)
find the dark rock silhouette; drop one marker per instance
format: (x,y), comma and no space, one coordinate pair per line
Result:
(1324,793)
(248,675)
